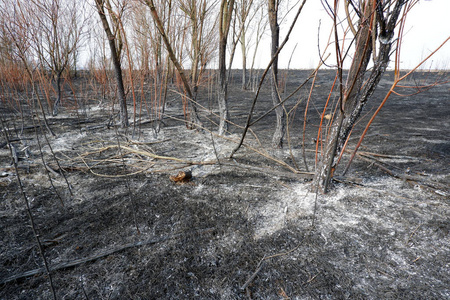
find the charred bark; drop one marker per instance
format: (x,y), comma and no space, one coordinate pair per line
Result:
(222,97)
(226,10)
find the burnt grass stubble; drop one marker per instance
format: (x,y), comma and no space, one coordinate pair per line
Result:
(375,236)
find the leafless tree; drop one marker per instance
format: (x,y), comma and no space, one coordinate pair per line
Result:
(225,17)
(57,29)
(376,20)
(199,13)
(259,33)
(246,10)
(17,25)
(194,121)
(110,20)
(277,139)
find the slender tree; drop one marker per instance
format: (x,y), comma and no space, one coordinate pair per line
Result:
(225,17)
(246,10)
(260,30)
(17,23)
(277,139)
(198,12)
(104,10)
(194,121)
(58,27)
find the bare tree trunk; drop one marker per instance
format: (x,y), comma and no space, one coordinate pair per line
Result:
(244,60)
(242,14)
(115,57)
(244,75)
(226,10)
(222,98)
(58,93)
(277,139)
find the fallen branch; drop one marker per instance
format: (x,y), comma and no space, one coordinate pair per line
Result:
(404,157)
(258,151)
(73,263)
(269,171)
(250,279)
(51,170)
(436,186)
(3,144)
(130,150)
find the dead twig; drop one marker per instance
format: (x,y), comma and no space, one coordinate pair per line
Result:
(50,169)
(416,259)
(412,234)
(250,279)
(405,157)
(261,263)
(312,279)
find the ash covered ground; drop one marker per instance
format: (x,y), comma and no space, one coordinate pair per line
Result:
(242,228)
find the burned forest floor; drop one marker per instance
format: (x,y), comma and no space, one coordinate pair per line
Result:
(113,224)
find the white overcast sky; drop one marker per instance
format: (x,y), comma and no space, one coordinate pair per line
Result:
(428,25)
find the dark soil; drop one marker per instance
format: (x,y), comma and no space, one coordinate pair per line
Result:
(243,227)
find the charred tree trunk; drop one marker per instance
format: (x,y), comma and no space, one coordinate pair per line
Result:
(277,139)
(115,57)
(226,10)
(357,91)
(223,89)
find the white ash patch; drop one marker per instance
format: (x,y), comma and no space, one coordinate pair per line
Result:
(203,146)
(378,204)
(425,140)
(65,141)
(288,203)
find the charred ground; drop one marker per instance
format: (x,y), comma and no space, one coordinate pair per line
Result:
(242,228)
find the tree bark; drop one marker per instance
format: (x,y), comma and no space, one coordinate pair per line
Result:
(244,60)
(277,139)
(222,97)
(115,57)
(58,93)
(226,10)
